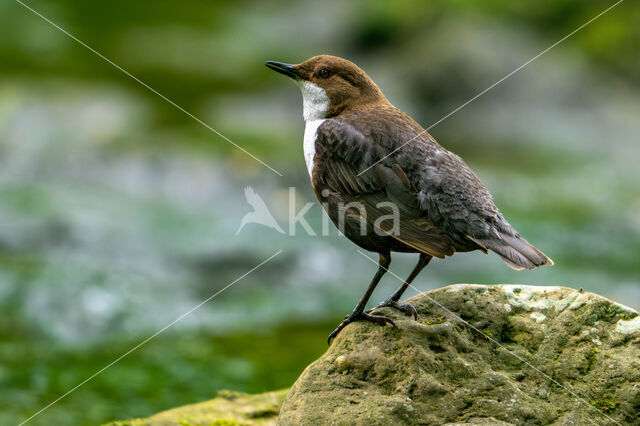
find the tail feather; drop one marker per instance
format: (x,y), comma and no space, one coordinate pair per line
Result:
(515,251)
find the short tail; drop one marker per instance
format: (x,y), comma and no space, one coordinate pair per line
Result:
(515,251)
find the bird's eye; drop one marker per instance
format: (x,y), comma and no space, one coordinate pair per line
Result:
(324,73)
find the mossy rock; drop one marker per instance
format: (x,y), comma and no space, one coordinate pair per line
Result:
(228,409)
(575,359)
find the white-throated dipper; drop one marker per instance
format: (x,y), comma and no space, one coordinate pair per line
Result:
(388,185)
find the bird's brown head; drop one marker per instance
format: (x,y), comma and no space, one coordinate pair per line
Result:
(330,85)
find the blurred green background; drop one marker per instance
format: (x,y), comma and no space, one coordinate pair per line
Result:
(118,212)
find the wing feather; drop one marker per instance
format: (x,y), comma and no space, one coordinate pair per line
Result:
(342,152)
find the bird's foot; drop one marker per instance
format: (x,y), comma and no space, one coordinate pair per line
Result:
(362,316)
(404,307)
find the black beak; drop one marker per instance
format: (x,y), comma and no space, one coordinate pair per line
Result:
(282,68)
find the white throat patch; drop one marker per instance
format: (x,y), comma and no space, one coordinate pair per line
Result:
(315,104)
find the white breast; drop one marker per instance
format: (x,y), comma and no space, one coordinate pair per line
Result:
(309,145)
(315,104)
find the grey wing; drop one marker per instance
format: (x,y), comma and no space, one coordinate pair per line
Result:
(460,203)
(342,154)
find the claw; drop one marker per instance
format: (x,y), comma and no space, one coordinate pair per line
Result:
(362,316)
(404,307)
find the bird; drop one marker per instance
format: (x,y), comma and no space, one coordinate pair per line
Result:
(388,185)
(260,214)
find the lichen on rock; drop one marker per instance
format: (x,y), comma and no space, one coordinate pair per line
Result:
(439,370)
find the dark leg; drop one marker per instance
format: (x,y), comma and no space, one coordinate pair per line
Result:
(393,301)
(358,312)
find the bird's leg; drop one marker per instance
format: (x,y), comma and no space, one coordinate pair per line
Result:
(393,301)
(358,312)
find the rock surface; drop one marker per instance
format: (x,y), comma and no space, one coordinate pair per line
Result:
(439,370)
(228,409)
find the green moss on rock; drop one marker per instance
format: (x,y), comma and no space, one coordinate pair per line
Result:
(439,320)
(228,409)
(591,358)
(606,405)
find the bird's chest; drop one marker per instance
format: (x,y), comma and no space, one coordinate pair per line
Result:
(309,143)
